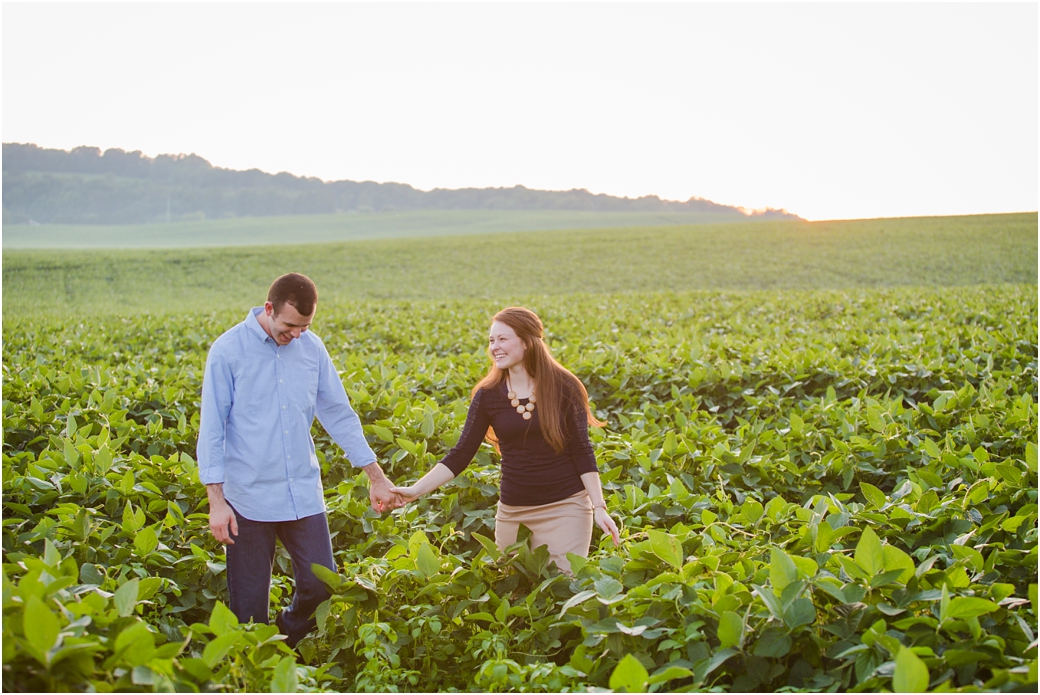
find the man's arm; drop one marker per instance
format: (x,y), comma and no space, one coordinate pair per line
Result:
(344,426)
(217,389)
(222,522)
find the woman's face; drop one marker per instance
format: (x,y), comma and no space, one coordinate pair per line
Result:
(505,348)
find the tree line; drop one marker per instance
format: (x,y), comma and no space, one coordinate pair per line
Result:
(88,186)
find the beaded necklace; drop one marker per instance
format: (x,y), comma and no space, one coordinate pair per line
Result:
(524,410)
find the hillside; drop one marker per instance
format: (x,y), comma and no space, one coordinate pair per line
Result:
(941,251)
(88,186)
(316,229)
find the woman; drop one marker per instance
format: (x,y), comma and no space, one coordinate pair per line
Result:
(536,414)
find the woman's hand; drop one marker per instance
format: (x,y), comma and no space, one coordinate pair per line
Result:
(606,524)
(405,494)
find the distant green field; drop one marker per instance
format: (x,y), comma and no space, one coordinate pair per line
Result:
(313,229)
(989,249)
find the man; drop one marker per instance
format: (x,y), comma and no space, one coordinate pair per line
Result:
(265,380)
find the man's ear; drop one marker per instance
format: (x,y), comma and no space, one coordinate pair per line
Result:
(269,308)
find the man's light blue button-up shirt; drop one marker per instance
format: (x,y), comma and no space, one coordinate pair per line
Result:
(259,400)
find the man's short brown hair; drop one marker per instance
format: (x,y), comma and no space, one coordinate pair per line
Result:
(295,289)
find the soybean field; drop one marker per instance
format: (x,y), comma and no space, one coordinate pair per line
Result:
(825,473)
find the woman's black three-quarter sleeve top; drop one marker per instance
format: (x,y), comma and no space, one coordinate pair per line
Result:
(532,472)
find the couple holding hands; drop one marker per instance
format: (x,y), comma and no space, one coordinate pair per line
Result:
(268,377)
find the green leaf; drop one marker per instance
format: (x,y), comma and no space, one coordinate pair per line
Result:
(670,674)
(131,521)
(782,570)
(142,675)
(285,679)
(608,587)
(222,620)
(146,541)
(40,625)
(911,675)
(90,574)
(800,612)
(731,630)
(751,510)
(629,676)
(774,643)
(896,559)
(126,597)
(427,561)
(126,485)
(218,648)
(331,578)
(931,448)
(383,433)
(716,660)
(670,444)
(489,546)
(427,425)
(805,565)
(666,547)
(51,556)
(136,644)
(869,555)
(886,578)
(969,607)
(103,459)
(580,597)
(797,424)
(771,600)
(873,495)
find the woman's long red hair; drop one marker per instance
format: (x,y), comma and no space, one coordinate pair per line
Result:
(550,378)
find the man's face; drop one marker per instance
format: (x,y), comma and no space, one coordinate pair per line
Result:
(288,323)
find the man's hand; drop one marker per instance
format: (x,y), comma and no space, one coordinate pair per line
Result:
(379,494)
(222,521)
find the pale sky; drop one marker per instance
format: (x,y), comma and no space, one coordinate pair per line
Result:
(831,111)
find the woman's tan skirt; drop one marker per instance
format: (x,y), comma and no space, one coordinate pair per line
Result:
(564,526)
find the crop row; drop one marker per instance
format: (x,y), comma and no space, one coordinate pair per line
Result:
(819,490)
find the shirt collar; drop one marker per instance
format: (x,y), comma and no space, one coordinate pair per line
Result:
(255,326)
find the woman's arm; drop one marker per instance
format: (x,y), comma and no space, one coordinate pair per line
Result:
(599,506)
(439,475)
(456,460)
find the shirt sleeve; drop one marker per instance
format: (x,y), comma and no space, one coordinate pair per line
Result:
(333,410)
(578,444)
(476,427)
(218,392)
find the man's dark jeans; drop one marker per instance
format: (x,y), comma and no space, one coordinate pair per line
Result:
(249,563)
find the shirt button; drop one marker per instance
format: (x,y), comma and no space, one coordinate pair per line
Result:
(289,456)
(279,381)
(287,431)
(283,407)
